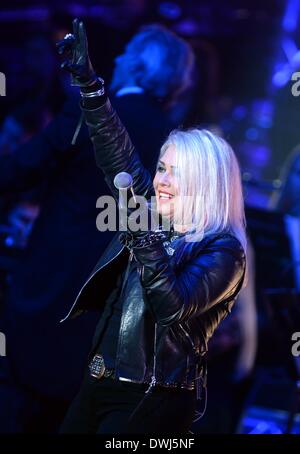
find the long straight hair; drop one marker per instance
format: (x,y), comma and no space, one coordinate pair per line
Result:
(209,179)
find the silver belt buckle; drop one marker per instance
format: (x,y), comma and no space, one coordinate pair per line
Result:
(97,366)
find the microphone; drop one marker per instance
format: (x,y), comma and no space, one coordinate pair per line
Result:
(123,181)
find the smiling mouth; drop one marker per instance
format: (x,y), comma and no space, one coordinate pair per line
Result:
(164,196)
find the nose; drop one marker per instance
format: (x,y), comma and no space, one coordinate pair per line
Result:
(165,179)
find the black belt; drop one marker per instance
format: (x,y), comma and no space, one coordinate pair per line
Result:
(99,370)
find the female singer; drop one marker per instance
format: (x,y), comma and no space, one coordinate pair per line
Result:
(161,293)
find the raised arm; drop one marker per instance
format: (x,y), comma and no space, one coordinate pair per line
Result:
(113,148)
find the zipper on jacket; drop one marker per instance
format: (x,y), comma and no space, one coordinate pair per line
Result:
(188,337)
(86,283)
(121,295)
(153,378)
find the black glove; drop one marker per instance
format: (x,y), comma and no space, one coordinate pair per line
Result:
(75,46)
(144,238)
(140,240)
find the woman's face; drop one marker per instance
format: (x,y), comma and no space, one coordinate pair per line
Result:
(166,184)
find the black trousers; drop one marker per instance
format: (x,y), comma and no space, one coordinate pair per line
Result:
(111,406)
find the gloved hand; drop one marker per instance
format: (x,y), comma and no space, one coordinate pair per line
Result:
(142,235)
(75,46)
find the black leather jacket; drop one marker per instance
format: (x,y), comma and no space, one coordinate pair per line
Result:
(187,288)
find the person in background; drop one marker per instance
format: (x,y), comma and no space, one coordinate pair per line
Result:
(154,75)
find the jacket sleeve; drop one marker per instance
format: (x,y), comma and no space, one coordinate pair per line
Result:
(212,276)
(33,162)
(114,151)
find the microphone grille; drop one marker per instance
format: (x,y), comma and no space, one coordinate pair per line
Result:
(123,180)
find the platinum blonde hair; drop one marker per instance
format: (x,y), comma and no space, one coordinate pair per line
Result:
(210,189)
